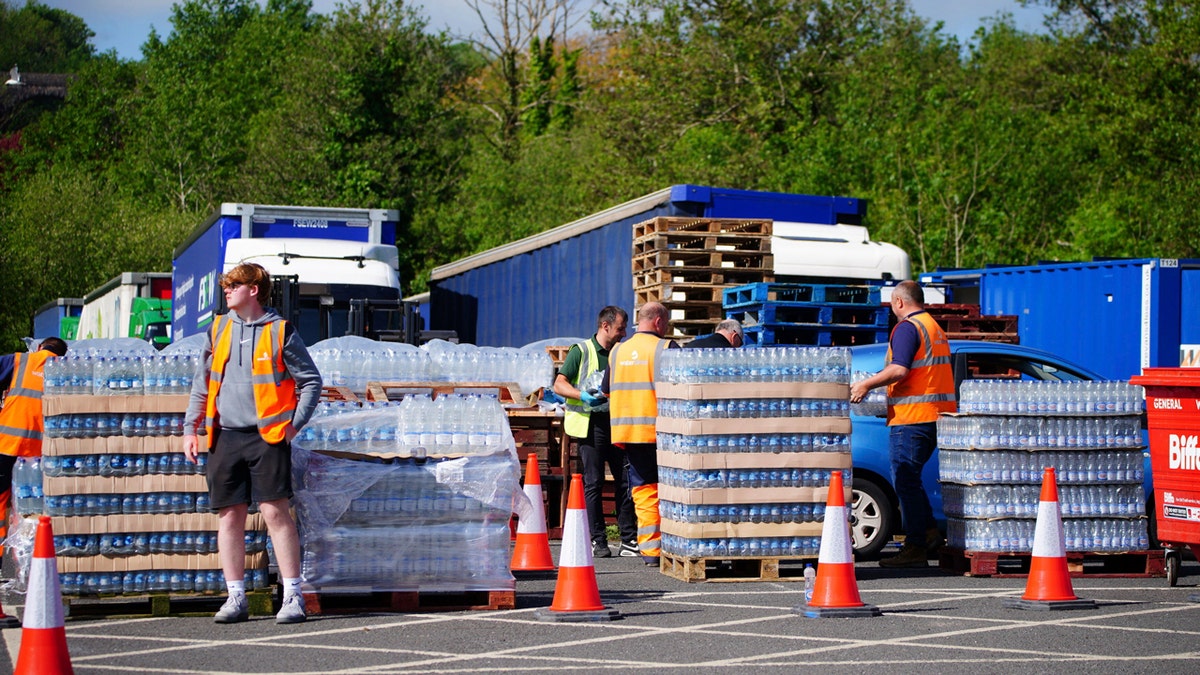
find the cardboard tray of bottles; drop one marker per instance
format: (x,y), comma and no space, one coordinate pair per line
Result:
(755,499)
(164,500)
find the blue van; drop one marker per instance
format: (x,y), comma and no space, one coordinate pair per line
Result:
(875,513)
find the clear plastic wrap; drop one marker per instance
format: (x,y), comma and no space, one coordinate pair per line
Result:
(411,496)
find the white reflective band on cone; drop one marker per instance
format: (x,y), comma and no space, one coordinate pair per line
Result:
(535,521)
(43,602)
(1048,538)
(576,550)
(835,537)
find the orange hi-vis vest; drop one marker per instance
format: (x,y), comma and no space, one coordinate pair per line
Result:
(633,407)
(928,389)
(21,423)
(274,388)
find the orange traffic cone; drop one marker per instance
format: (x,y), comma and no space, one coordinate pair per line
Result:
(531,553)
(576,597)
(44,637)
(1049,583)
(836,591)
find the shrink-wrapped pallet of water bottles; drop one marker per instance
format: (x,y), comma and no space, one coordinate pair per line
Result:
(408,495)
(130,514)
(994,450)
(747,442)
(352,362)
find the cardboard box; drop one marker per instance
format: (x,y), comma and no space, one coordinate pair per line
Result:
(122,485)
(72,405)
(745,495)
(732,530)
(156,522)
(755,460)
(754,425)
(124,445)
(154,561)
(697,392)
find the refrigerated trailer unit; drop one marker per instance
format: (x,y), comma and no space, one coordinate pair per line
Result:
(133,304)
(333,255)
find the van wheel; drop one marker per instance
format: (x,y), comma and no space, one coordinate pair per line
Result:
(871,514)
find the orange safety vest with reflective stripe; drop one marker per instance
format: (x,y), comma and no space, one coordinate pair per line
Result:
(21,423)
(633,406)
(928,389)
(274,388)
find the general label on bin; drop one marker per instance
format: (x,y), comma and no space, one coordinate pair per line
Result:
(1178,514)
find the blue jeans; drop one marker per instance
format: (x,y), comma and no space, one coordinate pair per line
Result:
(911,447)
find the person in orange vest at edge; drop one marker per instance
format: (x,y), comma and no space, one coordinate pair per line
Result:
(633,407)
(21,423)
(256,385)
(920,385)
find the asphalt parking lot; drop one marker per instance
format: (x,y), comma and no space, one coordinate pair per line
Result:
(932,622)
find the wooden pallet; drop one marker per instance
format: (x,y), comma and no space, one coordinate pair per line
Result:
(663,224)
(329,393)
(688,241)
(558,354)
(163,604)
(703,259)
(509,392)
(673,292)
(1134,564)
(731,569)
(724,276)
(1006,338)
(992,323)
(339,602)
(938,311)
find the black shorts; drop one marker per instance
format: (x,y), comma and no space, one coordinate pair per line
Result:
(244,468)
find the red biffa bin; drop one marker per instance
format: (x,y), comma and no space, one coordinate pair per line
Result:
(1173,420)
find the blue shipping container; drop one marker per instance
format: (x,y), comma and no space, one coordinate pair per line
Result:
(1113,316)
(554,284)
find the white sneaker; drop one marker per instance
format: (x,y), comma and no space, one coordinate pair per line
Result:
(292,610)
(235,610)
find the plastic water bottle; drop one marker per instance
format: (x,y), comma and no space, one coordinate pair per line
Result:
(810,583)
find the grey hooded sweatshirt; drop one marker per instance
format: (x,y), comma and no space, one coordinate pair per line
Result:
(235,403)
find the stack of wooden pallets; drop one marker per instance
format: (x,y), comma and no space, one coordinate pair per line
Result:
(964,322)
(687,263)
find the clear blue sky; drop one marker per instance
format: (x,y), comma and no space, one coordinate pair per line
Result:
(124,24)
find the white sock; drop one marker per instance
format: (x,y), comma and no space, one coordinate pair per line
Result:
(291,587)
(236,587)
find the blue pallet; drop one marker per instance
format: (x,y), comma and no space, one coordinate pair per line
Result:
(814,336)
(825,294)
(788,313)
